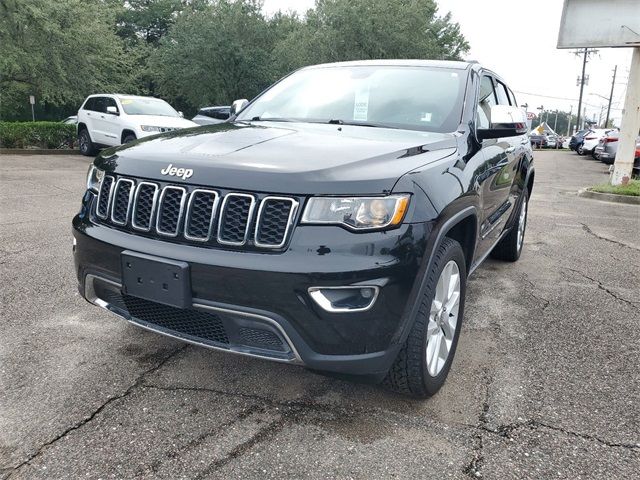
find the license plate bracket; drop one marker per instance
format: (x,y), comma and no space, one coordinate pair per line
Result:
(156,279)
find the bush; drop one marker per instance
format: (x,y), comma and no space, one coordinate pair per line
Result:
(37,134)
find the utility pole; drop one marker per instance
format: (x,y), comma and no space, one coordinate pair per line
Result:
(569,121)
(555,122)
(623,164)
(582,80)
(613,84)
(541,108)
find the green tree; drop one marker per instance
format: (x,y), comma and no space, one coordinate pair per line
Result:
(339,30)
(59,51)
(146,20)
(215,54)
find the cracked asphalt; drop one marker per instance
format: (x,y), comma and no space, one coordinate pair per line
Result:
(545,384)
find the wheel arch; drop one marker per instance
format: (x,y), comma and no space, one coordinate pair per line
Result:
(529,180)
(457,226)
(126,132)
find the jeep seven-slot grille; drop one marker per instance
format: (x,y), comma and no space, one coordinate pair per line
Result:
(196,215)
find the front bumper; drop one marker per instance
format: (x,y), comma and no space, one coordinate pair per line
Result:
(270,291)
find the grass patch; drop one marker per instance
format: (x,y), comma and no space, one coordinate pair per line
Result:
(632,188)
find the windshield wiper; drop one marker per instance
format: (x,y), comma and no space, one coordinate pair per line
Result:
(337,121)
(274,119)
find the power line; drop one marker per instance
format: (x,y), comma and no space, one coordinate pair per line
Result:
(563,98)
(547,96)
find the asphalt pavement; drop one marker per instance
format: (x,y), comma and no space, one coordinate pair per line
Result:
(545,383)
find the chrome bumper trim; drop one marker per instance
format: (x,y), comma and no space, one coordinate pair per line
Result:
(91,296)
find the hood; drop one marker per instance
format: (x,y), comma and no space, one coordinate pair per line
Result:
(162,121)
(293,158)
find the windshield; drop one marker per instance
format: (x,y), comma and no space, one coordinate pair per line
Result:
(413,98)
(147,106)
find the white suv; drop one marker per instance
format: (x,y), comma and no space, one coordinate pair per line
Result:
(108,120)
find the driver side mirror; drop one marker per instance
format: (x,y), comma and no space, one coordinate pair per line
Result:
(238,105)
(112,110)
(505,121)
(181,114)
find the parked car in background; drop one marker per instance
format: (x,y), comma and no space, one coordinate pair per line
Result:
(73,119)
(554,141)
(591,140)
(106,120)
(538,141)
(577,139)
(608,148)
(212,115)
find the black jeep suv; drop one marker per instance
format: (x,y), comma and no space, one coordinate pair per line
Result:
(332,222)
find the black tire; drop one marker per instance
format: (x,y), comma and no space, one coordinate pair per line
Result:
(510,247)
(409,374)
(128,138)
(580,150)
(87,147)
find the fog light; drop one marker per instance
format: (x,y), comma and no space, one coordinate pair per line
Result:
(345,299)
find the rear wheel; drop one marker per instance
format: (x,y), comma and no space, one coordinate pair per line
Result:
(510,247)
(85,144)
(580,150)
(423,363)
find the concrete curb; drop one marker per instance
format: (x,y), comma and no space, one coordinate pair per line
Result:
(37,151)
(609,197)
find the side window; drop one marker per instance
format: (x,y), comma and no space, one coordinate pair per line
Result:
(99,105)
(89,104)
(222,114)
(503,96)
(486,100)
(110,102)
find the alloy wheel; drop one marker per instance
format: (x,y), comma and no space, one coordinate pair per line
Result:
(522,222)
(83,143)
(443,318)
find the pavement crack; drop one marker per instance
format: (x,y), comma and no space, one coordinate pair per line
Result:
(260,436)
(139,379)
(474,468)
(545,301)
(587,229)
(603,287)
(506,431)
(585,436)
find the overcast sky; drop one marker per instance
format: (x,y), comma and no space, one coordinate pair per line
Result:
(518,41)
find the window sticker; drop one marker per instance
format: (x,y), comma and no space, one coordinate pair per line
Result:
(361,104)
(126,101)
(426,117)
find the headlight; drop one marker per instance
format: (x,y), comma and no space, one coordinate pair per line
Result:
(357,213)
(151,128)
(94,177)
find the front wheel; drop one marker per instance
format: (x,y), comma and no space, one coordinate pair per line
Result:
(423,363)
(87,148)
(580,150)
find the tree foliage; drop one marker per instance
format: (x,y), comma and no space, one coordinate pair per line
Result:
(59,51)
(197,52)
(215,54)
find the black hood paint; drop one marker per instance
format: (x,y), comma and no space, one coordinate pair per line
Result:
(293,158)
